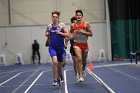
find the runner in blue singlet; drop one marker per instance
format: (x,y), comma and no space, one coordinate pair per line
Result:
(57,33)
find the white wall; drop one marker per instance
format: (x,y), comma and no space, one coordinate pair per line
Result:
(98,41)
(36,12)
(20,38)
(4,12)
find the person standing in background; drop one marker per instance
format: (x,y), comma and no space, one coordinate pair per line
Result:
(35,51)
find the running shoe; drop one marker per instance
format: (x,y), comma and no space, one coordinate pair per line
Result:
(62,81)
(62,78)
(54,83)
(77,78)
(59,82)
(81,79)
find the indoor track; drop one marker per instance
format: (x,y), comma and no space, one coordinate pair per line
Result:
(107,77)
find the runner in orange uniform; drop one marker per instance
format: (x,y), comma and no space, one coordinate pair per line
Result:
(80,31)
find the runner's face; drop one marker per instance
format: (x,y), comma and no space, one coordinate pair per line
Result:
(79,16)
(55,18)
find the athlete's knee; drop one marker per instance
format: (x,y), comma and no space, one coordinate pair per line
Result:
(59,65)
(55,62)
(79,59)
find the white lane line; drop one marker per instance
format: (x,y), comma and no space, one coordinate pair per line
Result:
(65,79)
(23,83)
(100,81)
(111,65)
(125,74)
(9,79)
(33,82)
(19,69)
(3,76)
(14,91)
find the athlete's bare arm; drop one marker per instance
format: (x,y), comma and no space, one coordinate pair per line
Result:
(88,31)
(66,33)
(71,32)
(71,28)
(47,31)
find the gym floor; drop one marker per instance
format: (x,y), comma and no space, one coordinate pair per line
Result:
(107,77)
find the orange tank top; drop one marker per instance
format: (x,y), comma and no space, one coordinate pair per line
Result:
(82,26)
(79,37)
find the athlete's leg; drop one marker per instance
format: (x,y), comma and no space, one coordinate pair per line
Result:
(84,61)
(54,64)
(64,59)
(78,53)
(73,59)
(63,64)
(54,67)
(74,64)
(60,57)
(59,68)
(84,58)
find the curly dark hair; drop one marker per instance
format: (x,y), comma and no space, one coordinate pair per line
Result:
(72,19)
(79,11)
